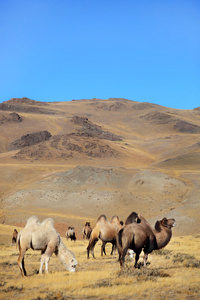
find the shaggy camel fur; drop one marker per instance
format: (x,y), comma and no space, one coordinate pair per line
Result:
(14,236)
(86,231)
(139,236)
(107,232)
(70,234)
(44,237)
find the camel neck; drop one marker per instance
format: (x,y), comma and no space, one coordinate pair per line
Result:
(163,237)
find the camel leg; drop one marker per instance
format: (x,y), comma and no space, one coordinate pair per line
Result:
(145,259)
(91,246)
(41,263)
(120,255)
(137,256)
(113,249)
(47,258)
(21,262)
(119,249)
(103,248)
(122,258)
(111,253)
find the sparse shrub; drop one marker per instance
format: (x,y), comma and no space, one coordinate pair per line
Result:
(162,252)
(100,283)
(13,288)
(180,257)
(143,274)
(187,260)
(52,296)
(3,283)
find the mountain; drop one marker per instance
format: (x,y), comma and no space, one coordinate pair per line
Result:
(76,160)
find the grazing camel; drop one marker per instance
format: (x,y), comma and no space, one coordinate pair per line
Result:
(44,237)
(70,234)
(140,236)
(106,231)
(14,236)
(86,231)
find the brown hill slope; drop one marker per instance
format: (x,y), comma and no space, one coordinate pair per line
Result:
(102,156)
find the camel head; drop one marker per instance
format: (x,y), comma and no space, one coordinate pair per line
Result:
(168,223)
(70,263)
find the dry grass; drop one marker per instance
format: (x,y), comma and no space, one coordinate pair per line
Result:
(172,273)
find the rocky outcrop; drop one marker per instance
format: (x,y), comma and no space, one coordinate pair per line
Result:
(30,139)
(90,129)
(13,117)
(185,127)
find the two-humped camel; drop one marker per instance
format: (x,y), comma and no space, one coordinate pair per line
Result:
(44,237)
(106,231)
(86,231)
(138,235)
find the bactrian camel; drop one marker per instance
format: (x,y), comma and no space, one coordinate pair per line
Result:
(44,237)
(138,235)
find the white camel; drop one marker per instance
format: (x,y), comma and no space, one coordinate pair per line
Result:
(44,237)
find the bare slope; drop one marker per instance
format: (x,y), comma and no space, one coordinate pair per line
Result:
(101,156)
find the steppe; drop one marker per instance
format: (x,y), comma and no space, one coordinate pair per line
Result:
(74,161)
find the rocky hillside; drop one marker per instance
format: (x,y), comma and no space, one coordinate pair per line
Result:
(75,160)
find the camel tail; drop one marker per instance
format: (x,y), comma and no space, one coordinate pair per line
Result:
(119,238)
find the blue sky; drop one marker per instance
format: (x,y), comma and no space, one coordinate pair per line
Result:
(59,50)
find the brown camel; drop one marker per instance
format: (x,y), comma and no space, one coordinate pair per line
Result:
(107,232)
(70,234)
(139,236)
(87,229)
(14,236)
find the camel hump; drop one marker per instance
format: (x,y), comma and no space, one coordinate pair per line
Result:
(49,222)
(114,218)
(133,217)
(102,217)
(32,221)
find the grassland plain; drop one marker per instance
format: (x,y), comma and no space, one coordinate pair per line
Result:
(173,272)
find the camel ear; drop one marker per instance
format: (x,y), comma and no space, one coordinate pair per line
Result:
(164,221)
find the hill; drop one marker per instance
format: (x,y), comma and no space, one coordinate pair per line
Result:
(76,160)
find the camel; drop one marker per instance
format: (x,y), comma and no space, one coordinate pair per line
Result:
(139,236)
(70,234)
(86,231)
(44,237)
(107,232)
(14,236)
